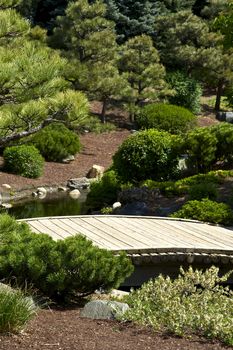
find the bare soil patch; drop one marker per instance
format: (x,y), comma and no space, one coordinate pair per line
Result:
(97,149)
(65,330)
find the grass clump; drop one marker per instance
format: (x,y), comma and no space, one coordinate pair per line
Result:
(192,303)
(16,310)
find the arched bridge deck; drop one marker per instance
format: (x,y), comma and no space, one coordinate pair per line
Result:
(155,245)
(139,234)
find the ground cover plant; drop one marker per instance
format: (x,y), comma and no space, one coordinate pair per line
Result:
(70,267)
(206,210)
(195,302)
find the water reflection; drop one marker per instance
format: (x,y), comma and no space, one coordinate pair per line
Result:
(52,205)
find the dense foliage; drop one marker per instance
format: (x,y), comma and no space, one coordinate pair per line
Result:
(195,302)
(206,210)
(23,160)
(147,154)
(104,191)
(203,190)
(174,119)
(73,266)
(56,142)
(187,91)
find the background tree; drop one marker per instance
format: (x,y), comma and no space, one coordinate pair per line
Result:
(195,48)
(141,66)
(33,92)
(88,39)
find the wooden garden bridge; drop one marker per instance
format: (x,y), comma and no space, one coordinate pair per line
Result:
(155,244)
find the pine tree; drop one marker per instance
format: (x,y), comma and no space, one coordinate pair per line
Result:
(33,92)
(89,40)
(140,64)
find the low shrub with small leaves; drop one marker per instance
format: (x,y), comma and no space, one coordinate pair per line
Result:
(16,310)
(206,210)
(23,160)
(55,142)
(70,267)
(174,119)
(224,134)
(195,302)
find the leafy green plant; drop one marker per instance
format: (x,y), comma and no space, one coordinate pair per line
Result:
(15,309)
(171,118)
(206,210)
(23,160)
(149,154)
(106,210)
(104,192)
(70,267)
(203,190)
(192,303)
(188,91)
(55,142)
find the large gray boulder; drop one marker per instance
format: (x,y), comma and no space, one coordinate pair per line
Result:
(104,309)
(78,184)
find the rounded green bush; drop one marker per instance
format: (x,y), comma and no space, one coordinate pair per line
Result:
(23,160)
(171,118)
(187,91)
(149,154)
(206,210)
(55,142)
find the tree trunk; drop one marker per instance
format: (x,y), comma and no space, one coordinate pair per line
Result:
(219,95)
(103,113)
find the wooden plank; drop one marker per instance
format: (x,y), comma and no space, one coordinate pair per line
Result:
(127,235)
(98,240)
(96,227)
(156,233)
(128,231)
(215,237)
(42,229)
(51,226)
(190,233)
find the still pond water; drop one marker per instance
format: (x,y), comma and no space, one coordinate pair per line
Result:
(53,205)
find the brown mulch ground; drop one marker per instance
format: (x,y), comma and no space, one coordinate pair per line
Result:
(97,149)
(65,330)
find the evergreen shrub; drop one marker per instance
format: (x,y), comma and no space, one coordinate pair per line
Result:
(104,191)
(170,118)
(149,154)
(193,303)
(201,146)
(224,134)
(70,267)
(55,142)
(207,211)
(203,190)
(187,91)
(23,160)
